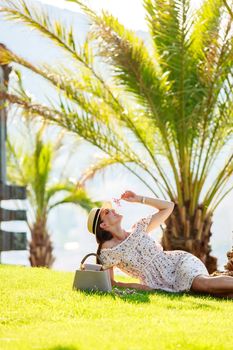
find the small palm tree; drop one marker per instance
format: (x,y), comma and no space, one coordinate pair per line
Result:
(164,112)
(33,168)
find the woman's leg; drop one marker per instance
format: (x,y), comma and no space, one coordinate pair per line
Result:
(213,285)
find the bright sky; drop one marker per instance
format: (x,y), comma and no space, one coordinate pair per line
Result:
(130,12)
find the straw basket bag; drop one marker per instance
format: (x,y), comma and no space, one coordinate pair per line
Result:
(92,276)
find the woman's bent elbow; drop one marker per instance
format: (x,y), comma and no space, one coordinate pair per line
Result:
(114,283)
(172,205)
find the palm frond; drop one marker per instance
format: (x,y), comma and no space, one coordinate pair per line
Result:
(42,159)
(135,70)
(38,19)
(58,187)
(98,166)
(78,196)
(220,198)
(81,99)
(206,28)
(134,120)
(228,8)
(101,135)
(131,62)
(221,179)
(15,164)
(171,24)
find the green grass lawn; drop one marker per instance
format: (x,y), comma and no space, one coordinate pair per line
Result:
(39,310)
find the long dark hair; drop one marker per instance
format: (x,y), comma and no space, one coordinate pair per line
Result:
(101,237)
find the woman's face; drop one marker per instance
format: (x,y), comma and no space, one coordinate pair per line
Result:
(109,218)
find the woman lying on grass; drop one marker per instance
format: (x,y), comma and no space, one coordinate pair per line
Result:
(138,255)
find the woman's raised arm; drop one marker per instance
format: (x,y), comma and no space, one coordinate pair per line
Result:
(165,207)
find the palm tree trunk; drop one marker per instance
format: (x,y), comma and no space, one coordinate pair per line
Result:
(40,246)
(191,234)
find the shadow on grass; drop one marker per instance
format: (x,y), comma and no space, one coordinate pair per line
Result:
(205,295)
(63,347)
(137,296)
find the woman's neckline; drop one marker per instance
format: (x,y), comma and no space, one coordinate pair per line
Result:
(117,245)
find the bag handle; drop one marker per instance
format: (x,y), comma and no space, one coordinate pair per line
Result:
(86,256)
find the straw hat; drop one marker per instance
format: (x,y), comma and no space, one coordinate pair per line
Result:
(93,217)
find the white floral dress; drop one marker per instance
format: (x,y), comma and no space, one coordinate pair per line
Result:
(142,257)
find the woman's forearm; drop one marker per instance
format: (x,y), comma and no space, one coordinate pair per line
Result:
(156,203)
(131,285)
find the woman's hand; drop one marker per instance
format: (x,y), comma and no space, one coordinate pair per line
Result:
(130,196)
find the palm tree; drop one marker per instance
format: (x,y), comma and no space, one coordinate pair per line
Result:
(164,112)
(228,8)
(32,167)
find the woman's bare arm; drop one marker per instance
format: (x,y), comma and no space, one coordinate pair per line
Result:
(127,285)
(165,207)
(133,285)
(156,203)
